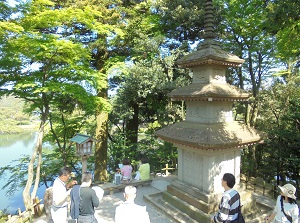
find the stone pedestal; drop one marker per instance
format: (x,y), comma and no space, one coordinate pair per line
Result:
(204,169)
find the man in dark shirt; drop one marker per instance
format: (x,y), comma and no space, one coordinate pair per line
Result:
(88,200)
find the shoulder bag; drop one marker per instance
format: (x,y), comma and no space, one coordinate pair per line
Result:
(289,218)
(240,218)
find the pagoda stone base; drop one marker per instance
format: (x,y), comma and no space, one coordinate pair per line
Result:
(185,203)
(204,169)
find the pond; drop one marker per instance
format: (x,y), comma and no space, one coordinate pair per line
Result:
(12,147)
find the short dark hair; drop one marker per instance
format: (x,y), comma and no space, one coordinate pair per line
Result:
(230,179)
(144,159)
(126,161)
(86,177)
(64,171)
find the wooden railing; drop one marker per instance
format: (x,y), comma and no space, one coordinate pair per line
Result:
(260,186)
(26,216)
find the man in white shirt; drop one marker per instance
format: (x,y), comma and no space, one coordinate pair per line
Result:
(129,211)
(60,190)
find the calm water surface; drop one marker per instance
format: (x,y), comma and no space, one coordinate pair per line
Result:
(12,147)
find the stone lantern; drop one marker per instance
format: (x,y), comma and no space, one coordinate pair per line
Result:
(84,148)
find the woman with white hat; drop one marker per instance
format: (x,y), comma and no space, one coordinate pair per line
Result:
(286,209)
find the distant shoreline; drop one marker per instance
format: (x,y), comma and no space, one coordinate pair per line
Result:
(20,129)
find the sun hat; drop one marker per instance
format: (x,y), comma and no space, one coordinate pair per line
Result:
(288,190)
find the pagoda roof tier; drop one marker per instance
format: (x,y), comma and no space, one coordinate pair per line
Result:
(216,136)
(211,92)
(210,54)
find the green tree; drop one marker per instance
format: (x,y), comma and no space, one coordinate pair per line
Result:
(245,33)
(153,42)
(146,84)
(137,43)
(107,15)
(280,109)
(182,21)
(47,70)
(242,32)
(283,23)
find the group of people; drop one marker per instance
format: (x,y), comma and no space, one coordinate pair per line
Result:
(85,198)
(126,170)
(286,209)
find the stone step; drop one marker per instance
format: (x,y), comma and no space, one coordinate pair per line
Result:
(264,202)
(264,207)
(192,211)
(190,199)
(156,200)
(193,191)
(183,203)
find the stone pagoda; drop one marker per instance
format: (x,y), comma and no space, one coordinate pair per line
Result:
(209,141)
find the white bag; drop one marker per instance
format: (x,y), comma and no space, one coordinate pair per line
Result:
(99,192)
(137,176)
(117,178)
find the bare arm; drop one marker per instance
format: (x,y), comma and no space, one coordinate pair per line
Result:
(271,217)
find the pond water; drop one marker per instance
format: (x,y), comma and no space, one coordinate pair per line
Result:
(12,147)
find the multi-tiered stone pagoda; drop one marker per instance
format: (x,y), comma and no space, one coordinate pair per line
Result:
(209,140)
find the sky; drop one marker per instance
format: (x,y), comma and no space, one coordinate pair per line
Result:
(11,2)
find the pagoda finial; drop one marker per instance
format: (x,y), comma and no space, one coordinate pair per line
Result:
(209,34)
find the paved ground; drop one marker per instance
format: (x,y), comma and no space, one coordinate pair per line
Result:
(105,213)
(109,202)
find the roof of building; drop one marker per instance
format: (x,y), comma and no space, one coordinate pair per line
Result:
(81,139)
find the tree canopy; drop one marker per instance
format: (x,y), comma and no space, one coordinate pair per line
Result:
(106,67)
(50,72)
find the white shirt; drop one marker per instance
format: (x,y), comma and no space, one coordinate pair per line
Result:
(290,209)
(60,193)
(129,212)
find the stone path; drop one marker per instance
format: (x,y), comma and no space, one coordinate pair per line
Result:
(105,213)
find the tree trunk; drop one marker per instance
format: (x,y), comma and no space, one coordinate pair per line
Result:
(240,78)
(247,114)
(132,127)
(37,151)
(254,114)
(37,174)
(101,147)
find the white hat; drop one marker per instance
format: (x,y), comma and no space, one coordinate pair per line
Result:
(288,190)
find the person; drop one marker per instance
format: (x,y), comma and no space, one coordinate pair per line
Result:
(230,202)
(286,209)
(99,192)
(84,200)
(126,170)
(60,192)
(129,211)
(143,172)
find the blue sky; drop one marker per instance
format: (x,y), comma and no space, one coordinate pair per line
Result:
(11,2)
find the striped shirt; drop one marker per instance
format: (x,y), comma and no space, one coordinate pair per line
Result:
(228,208)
